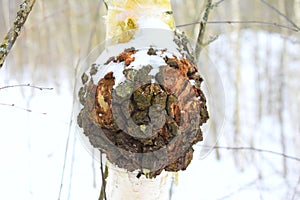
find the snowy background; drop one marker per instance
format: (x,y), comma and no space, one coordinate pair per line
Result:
(259,71)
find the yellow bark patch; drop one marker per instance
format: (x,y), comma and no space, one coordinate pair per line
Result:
(123,16)
(103,103)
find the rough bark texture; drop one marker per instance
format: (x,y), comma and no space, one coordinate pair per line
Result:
(12,35)
(150,121)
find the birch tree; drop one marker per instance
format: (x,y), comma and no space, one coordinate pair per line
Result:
(141,101)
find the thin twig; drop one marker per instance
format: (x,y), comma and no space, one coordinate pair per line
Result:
(105,3)
(202,29)
(69,133)
(218,3)
(103,176)
(238,190)
(72,163)
(18,107)
(12,35)
(22,85)
(281,14)
(26,85)
(256,149)
(242,22)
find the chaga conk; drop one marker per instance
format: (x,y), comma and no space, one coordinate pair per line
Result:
(144,110)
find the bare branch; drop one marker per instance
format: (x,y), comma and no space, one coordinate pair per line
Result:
(69,134)
(105,3)
(22,85)
(243,187)
(280,13)
(256,149)
(243,22)
(103,176)
(26,85)
(200,39)
(218,3)
(12,35)
(18,107)
(211,39)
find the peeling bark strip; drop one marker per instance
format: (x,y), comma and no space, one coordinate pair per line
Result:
(12,35)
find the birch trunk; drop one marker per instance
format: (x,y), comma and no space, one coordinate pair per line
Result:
(123,19)
(237,82)
(124,185)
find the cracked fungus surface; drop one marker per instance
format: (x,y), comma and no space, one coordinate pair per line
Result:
(145,111)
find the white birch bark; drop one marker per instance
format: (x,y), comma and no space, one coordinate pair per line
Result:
(124,185)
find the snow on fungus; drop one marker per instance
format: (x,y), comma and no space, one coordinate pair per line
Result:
(145,110)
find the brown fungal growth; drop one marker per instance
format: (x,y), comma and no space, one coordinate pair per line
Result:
(126,56)
(150,120)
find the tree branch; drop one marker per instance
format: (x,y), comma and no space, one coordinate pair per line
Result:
(21,108)
(280,13)
(243,22)
(12,35)
(200,39)
(22,85)
(218,3)
(69,134)
(105,3)
(104,175)
(255,149)
(26,85)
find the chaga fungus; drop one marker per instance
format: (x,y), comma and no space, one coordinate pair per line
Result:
(149,117)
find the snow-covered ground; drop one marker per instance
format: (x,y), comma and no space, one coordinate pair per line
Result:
(33,144)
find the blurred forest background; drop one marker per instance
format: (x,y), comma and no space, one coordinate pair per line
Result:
(258,61)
